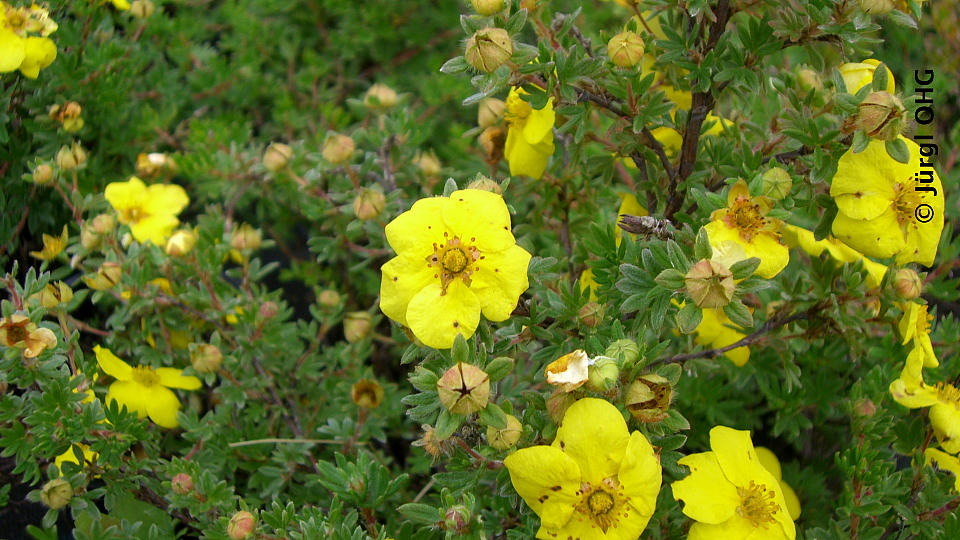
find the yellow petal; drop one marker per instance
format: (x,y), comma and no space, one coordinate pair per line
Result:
(793,502)
(524,158)
(714,332)
(856,75)
(595,435)
(707,494)
(863,185)
(945,462)
(414,232)
(922,239)
(500,280)
(769,461)
(480,218)
(174,378)
(437,319)
(40,52)
(155,229)
(878,237)
(165,199)
(71,456)
(736,455)
(640,476)
(547,479)
(12,50)
(133,395)
(912,397)
(773,255)
(111,365)
(669,138)
(125,195)
(588,283)
(162,406)
(402,279)
(945,419)
(737,528)
(539,124)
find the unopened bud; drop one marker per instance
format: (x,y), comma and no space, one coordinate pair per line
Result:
(142,9)
(246,237)
(380,98)
(369,204)
(777,183)
(103,223)
(53,295)
(864,407)
(89,238)
(329,298)
(648,398)
(880,115)
(205,358)
(625,351)
(625,49)
(71,157)
(43,174)
(106,277)
(155,164)
(492,140)
(268,310)
(487,7)
(428,163)
(181,483)
(603,375)
(484,183)
(464,389)
(367,393)
(710,284)
(557,405)
(337,148)
(907,284)
(276,156)
(590,314)
(357,325)
(808,81)
(241,525)
(56,493)
(504,439)
(490,112)
(488,48)
(876,7)
(457,518)
(180,243)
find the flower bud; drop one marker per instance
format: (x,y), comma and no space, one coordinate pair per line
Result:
(367,393)
(103,223)
(457,518)
(205,358)
(380,98)
(557,405)
(464,389)
(246,237)
(89,239)
(155,164)
(625,351)
(142,9)
(428,163)
(648,398)
(181,484)
(337,148)
(591,314)
(71,157)
(43,174)
(276,156)
(53,295)
(625,49)
(56,493)
(484,183)
(487,7)
(180,243)
(268,310)
(876,7)
(107,276)
(369,204)
(907,284)
(492,140)
(864,407)
(488,48)
(880,115)
(357,325)
(603,375)
(777,183)
(329,298)
(490,112)
(710,284)
(241,525)
(808,81)
(504,439)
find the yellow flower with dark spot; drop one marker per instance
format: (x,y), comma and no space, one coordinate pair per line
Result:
(145,390)
(597,480)
(730,494)
(456,258)
(745,222)
(888,208)
(150,211)
(530,135)
(52,246)
(943,399)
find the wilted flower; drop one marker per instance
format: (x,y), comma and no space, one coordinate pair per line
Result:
(52,246)
(367,393)
(20,332)
(464,389)
(568,372)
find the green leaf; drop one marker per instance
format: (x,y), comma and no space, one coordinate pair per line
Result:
(492,415)
(860,142)
(702,248)
(447,423)
(670,278)
(449,187)
(879,78)
(516,22)
(499,368)
(420,513)
(689,317)
(897,149)
(745,268)
(460,351)
(457,64)
(738,314)
(671,372)
(471,23)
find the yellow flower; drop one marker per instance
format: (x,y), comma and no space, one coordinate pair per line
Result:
(89,456)
(770,462)
(20,332)
(883,209)
(589,284)
(151,211)
(456,258)
(671,139)
(121,5)
(19,49)
(942,398)
(530,135)
(799,237)
(52,246)
(744,222)
(717,331)
(856,75)
(730,494)
(944,461)
(914,325)
(143,389)
(597,480)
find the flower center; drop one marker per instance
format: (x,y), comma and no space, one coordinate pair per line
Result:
(16,334)
(905,202)
(757,504)
(131,215)
(146,376)
(923,321)
(746,217)
(948,393)
(452,260)
(604,504)
(600,502)
(517,109)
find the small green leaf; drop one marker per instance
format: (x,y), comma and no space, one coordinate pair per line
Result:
(670,278)
(449,187)
(689,317)
(461,351)
(860,142)
(702,248)
(671,372)
(447,423)
(499,368)
(879,78)
(457,64)
(745,268)
(492,415)
(421,513)
(516,22)
(738,314)
(897,149)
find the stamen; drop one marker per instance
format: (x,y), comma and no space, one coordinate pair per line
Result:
(452,259)
(145,375)
(757,504)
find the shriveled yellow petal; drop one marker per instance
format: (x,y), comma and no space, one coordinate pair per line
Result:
(111,365)
(640,476)
(568,372)
(174,378)
(133,395)
(414,232)
(437,319)
(595,435)
(479,217)
(547,479)
(500,280)
(125,195)
(707,494)
(12,50)
(165,199)
(402,279)
(162,406)
(878,237)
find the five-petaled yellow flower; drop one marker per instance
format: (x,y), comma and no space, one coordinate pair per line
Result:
(942,398)
(145,390)
(888,208)
(730,494)
(24,44)
(802,238)
(745,222)
(456,258)
(596,481)
(150,211)
(530,135)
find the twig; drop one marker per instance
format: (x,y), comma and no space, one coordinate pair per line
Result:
(253,442)
(389,183)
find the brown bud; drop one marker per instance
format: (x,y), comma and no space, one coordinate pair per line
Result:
(457,518)
(880,115)
(648,398)
(181,483)
(481,182)
(591,314)
(487,7)
(504,439)
(380,98)
(777,183)
(710,284)
(357,325)
(464,389)
(864,407)
(276,156)
(268,310)
(43,174)
(205,358)
(246,237)
(490,112)
(488,48)
(369,204)
(367,393)
(56,493)
(337,148)
(625,49)
(241,525)
(907,284)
